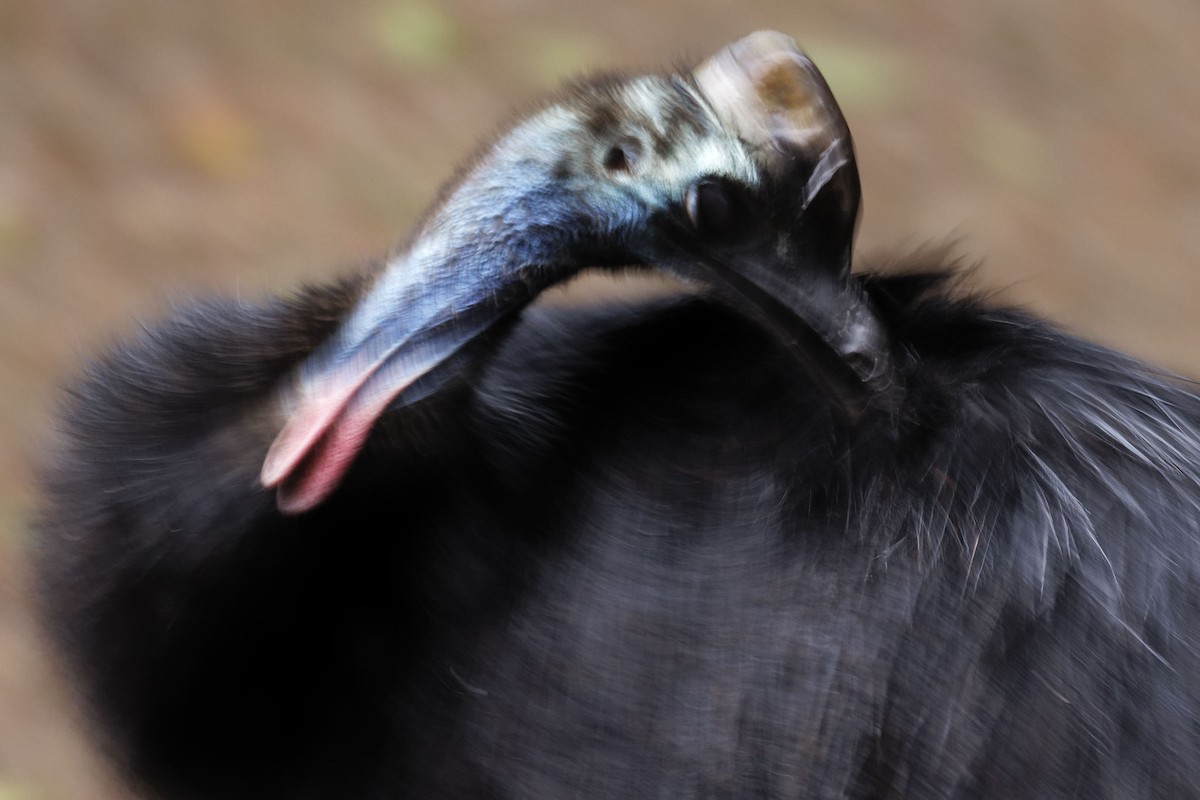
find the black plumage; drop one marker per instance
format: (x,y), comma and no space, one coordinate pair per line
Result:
(634,551)
(638,556)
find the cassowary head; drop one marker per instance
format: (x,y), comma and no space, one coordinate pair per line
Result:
(738,176)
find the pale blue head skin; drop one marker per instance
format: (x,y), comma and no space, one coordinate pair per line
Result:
(541,204)
(594,179)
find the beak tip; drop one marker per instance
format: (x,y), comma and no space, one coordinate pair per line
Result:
(304,427)
(275,467)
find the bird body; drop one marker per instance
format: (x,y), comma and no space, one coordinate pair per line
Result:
(644,549)
(640,552)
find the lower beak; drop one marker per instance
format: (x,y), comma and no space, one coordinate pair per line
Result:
(824,320)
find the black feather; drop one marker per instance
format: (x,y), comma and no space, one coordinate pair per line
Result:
(638,556)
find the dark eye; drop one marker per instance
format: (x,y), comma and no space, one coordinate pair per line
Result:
(623,155)
(714,208)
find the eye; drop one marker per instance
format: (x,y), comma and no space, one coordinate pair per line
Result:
(715,208)
(623,155)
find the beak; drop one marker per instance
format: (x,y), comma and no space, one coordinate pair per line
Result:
(416,327)
(410,333)
(795,277)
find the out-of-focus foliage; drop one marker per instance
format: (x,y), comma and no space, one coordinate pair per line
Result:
(12,791)
(415,32)
(213,136)
(864,77)
(550,57)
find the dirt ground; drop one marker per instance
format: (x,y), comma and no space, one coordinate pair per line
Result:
(153,150)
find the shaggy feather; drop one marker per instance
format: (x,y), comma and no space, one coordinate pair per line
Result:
(636,555)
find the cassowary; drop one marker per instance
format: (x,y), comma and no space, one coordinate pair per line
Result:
(804,534)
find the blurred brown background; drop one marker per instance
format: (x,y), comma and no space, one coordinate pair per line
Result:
(152,149)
